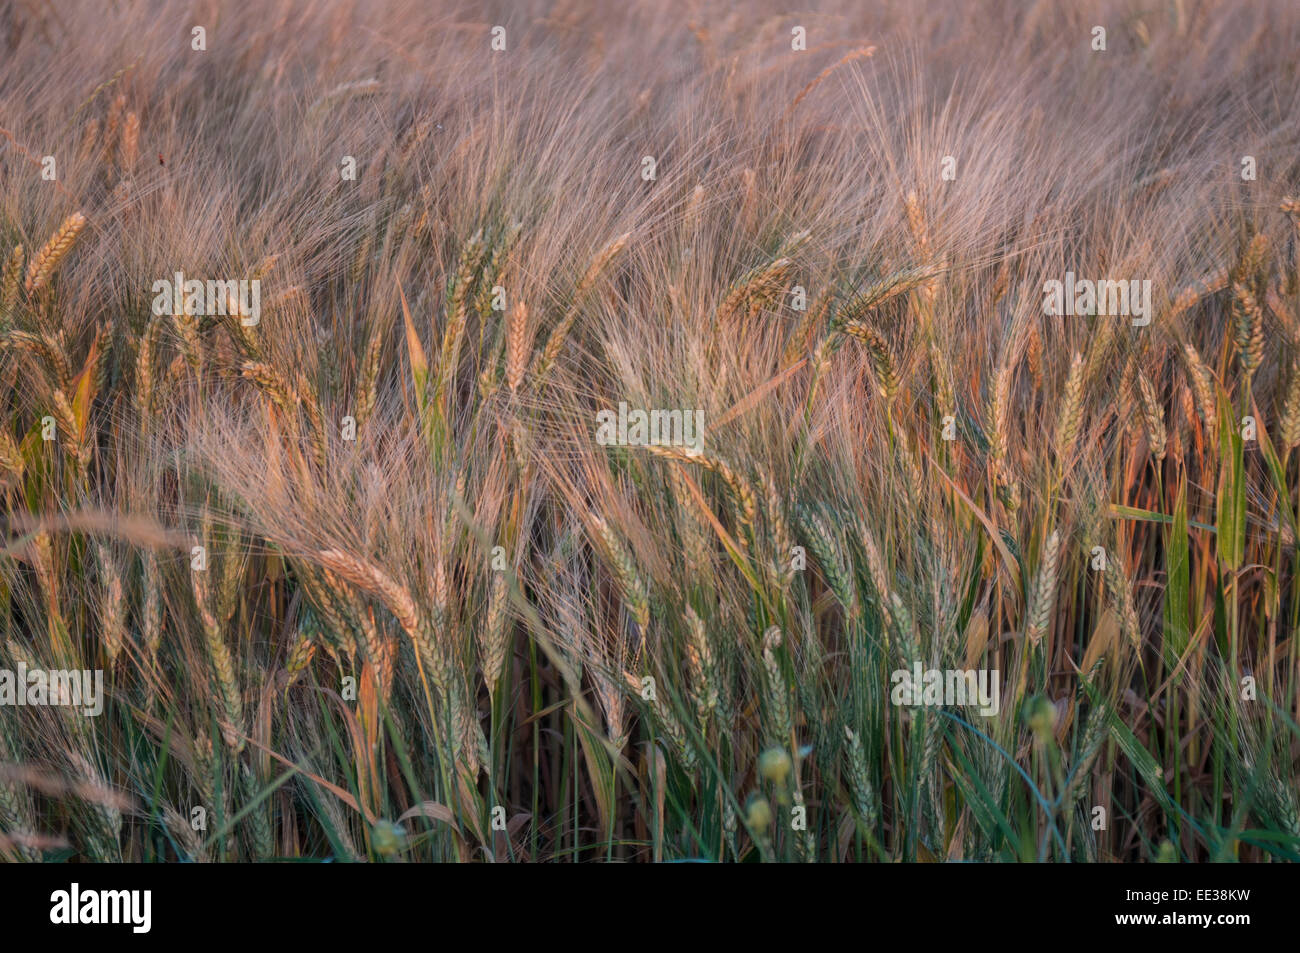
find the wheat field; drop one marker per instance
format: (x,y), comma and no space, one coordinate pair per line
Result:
(363,581)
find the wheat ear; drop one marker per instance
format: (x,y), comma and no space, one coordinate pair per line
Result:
(9,284)
(52,252)
(516,346)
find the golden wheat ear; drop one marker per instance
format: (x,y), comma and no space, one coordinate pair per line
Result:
(52,252)
(517,341)
(9,283)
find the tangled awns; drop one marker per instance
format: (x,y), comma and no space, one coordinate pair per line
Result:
(362,582)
